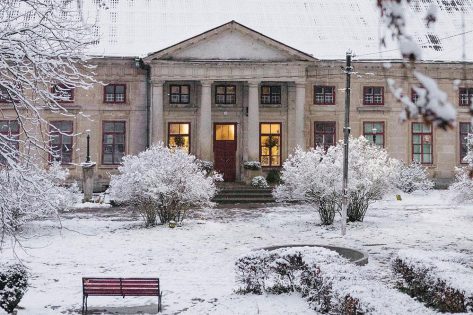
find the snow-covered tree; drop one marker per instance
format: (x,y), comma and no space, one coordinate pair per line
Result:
(412,177)
(42,58)
(314,176)
(163,183)
(462,188)
(28,192)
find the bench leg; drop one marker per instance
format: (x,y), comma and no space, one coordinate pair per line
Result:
(159,302)
(84,305)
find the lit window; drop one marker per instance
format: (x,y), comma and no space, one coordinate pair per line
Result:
(270,144)
(179,136)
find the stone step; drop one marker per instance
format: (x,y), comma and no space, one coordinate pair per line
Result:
(243,200)
(244,192)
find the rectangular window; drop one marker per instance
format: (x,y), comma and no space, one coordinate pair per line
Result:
(115,93)
(465,129)
(179,136)
(466,95)
(324,95)
(422,143)
(270,95)
(225,94)
(324,134)
(373,131)
(6,95)
(60,139)
(180,94)
(113,142)
(373,95)
(9,135)
(270,144)
(63,93)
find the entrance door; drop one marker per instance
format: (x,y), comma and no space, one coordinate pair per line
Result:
(225,145)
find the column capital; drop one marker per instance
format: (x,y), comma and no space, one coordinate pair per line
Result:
(157,83)
(253,83)
(206,83)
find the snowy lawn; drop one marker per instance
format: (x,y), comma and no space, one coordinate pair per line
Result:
(195,262)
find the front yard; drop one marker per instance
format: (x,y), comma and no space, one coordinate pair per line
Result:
(195,262)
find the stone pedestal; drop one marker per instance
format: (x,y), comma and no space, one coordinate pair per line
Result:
(249,174)
(88,170)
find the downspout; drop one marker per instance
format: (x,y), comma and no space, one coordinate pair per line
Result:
(141,65)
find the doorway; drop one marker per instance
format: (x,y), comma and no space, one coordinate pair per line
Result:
(225,146)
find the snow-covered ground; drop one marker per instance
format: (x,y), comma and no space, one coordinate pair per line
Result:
(195,262)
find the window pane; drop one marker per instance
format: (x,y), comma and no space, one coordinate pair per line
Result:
(416,127)
(109,89)
(417,148)
(120,89)
(107,158)
(220,90)
(264,150)
(265,161)
(417,158)
(108,139)
(184,98)
(427,148)
(265,128)
(275,129)
(427,158)
(416,139)
(265,90)
(119,127)
(230,89)
(184,129)
(174,89)
(108,127)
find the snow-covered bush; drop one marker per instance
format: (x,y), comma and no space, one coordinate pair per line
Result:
(207,166)
(442,280)
(273,177)
(29,192)
(252,165)
(412,177)
(315,176)
(328,282)
(259,182)
(13,285)
(163,183)
(462,188)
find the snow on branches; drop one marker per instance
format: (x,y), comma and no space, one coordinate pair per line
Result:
(28,192)
(462,188)
(432,103)
(412,177)
(163,183)
(42,59)
(314,176)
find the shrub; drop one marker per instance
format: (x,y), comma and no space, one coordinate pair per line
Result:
(252,165)
(412,177)
(13,285)
(442,280)
(163,183)
(259,181)
(273,177)
(462,188)
(206,166)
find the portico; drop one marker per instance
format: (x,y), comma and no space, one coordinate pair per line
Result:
(262,82)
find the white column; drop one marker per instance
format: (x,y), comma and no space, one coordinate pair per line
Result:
(253,122)
(299,117)
(157,113)
(205,122)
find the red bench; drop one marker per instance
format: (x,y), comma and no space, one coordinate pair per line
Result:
(120,287)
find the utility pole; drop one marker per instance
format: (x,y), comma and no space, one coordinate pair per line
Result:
(346,134)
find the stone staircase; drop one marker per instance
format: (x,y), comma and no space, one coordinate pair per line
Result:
(234,193)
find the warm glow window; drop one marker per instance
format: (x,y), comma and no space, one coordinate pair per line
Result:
(225,132)
(270,144)
(179,136)
(422,143)
(60,139)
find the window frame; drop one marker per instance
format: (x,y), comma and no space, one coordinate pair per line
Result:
(53,131)
(261,146)
(7,100)
(422,134)
(114,133)
(188,135)
(325,147)
(370,134)
(271,94)
(365,89)
(65,88)
(469,92)
(114,101)
(14,135)
(180,93)
(324,95)
(460,133)
(226,94)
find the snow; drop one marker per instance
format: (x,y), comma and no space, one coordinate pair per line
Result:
(196,261)
(324,28)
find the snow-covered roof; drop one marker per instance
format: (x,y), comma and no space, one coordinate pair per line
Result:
(325,29)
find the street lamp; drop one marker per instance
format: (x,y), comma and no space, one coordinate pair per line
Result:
(373,130)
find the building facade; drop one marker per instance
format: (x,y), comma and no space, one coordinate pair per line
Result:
(232,94)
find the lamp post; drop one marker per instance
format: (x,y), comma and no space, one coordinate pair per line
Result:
(373,130)
(88,169)
(87,158)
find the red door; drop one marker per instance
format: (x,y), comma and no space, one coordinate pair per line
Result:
(225,145)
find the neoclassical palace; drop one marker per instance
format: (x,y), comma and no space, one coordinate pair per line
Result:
(232,94)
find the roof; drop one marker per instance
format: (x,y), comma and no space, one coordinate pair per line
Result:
(325,29)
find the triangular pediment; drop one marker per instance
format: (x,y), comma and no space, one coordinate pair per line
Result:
(231,42)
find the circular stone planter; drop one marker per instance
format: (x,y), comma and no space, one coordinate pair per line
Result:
(354,256)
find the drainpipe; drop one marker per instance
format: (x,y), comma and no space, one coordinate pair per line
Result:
(139,64)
